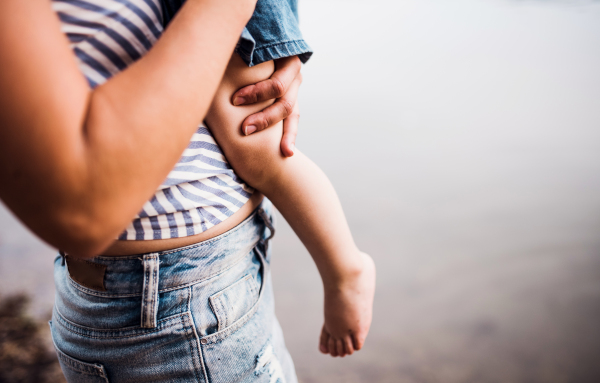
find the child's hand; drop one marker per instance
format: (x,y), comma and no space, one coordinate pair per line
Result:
(348,312)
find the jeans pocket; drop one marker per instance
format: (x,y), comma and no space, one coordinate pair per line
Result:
(231,303)
(77,371)
(235,305)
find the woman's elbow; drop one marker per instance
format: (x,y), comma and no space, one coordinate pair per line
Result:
(80,234)
(85,241)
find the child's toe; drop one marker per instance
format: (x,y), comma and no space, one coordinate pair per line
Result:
(332,347)
(323,341)
(348,345)
(340,348)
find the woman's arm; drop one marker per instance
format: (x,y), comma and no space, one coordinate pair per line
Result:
(75,164)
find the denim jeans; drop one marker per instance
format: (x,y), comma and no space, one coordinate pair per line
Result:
(200,313)
(272,33)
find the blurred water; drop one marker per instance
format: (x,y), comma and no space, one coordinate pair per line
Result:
(463,138)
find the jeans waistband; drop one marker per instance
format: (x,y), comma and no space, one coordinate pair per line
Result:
(133,275)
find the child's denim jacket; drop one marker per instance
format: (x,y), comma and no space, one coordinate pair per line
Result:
(271,33)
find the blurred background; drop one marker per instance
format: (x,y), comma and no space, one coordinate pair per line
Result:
(463,138)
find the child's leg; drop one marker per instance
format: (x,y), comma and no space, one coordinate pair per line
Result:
(307,200)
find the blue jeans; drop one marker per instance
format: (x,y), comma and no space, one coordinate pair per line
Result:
(272,33)
(200,313)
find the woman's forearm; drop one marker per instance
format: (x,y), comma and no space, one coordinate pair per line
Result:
(76,165)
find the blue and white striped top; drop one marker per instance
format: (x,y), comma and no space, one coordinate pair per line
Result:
(202,190)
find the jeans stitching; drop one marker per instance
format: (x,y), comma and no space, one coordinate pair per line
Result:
(165,290)
(136,330)
(220,335)
(195,333)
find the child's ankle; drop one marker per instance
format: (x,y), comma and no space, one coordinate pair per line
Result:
(347,274)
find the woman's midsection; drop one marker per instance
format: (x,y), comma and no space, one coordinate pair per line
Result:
(139,247)
(237,75)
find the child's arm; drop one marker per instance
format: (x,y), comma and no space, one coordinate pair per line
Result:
(307,200)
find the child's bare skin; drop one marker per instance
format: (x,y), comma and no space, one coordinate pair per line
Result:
(307,200)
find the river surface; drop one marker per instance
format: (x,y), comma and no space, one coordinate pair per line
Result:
(463,138)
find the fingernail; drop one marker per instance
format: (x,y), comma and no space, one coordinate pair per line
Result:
(239,100)
(250,129)
(293,149)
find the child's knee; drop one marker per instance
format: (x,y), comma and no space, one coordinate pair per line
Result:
(250,156)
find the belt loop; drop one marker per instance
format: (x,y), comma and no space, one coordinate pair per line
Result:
(150,291)
(269,225)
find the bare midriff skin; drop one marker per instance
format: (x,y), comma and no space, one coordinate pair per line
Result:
(237,75)
(139,247)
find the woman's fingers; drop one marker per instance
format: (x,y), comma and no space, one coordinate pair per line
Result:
(290,130)
(280,110)
(286,71)
(283,86)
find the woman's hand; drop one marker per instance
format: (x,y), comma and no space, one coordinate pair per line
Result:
(283,85)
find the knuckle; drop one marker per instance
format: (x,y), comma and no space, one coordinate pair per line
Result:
(287,107)
(278,87)
(264,121)
(253,93)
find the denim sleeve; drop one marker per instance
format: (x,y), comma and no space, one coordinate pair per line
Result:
(272,32)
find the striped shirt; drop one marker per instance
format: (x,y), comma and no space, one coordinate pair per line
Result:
(202,190)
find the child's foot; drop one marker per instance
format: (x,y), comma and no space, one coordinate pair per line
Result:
(348,312)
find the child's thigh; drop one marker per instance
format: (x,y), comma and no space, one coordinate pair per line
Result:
(224,119)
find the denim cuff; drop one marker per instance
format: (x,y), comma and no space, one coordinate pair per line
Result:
(286,49)
(253,55)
